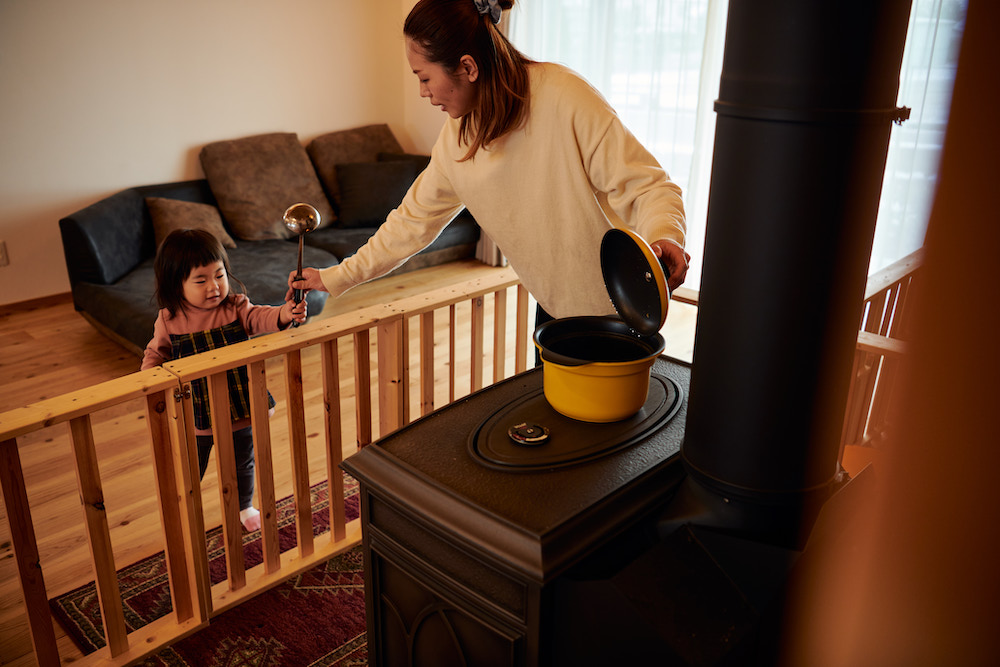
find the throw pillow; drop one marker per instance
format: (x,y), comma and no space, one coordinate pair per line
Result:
(370,190)
(359,144)
(254,179)
(171,214)
(421,161)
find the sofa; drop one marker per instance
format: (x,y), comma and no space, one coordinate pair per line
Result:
(352,177)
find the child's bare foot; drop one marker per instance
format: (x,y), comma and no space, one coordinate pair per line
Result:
(250,518)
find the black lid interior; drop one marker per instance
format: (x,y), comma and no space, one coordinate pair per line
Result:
(635,280)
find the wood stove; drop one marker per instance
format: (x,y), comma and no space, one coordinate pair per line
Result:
(469,531)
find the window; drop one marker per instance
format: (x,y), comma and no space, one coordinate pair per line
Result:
(658,62)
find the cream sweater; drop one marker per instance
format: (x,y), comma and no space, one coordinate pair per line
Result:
(545,193)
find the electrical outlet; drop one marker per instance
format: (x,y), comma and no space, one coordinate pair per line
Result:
(4,260)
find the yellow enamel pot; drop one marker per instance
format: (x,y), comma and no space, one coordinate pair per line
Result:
(596,369)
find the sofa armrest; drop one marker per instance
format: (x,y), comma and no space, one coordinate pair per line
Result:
(109,238)
(105,240)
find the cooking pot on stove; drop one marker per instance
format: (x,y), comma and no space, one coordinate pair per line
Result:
(596,369)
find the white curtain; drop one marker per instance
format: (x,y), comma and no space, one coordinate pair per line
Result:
(925,82)
(658,62)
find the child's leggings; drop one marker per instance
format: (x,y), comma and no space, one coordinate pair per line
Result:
(243,446)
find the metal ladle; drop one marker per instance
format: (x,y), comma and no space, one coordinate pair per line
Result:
(301,219)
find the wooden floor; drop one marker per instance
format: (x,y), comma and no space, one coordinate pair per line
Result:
(47,349)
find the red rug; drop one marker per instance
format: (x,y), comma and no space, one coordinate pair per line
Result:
(315,618)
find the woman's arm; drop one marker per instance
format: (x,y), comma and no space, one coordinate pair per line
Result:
(427,208)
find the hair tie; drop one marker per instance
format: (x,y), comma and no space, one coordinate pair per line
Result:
(491,7)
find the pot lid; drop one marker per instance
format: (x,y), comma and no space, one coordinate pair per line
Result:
(635,280)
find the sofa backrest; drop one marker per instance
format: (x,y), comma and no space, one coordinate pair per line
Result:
(109,238)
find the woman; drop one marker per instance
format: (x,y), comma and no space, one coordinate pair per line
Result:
(537,156)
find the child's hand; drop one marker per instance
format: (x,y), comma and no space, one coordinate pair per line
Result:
(292,312)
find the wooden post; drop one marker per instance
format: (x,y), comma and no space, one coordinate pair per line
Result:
(182,413)
(391,375)
(427,362)
(499,334)
(363,386)
(229,497)
(22,535)
(300,457)
(452,327)
(171,505)
(334,439)
(522,338)
(99,536)
(476,369)
(264,466)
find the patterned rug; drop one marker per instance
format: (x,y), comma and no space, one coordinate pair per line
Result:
(277,627)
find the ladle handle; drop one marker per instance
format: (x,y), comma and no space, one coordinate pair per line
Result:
(297,295)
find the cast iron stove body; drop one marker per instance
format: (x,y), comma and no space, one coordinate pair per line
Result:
(469,535)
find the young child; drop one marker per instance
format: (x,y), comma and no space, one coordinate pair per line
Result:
(199,312)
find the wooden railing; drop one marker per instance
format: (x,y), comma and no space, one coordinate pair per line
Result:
(882,335)
(169,426)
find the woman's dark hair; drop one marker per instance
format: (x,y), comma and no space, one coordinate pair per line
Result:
(446,30)
(182,251)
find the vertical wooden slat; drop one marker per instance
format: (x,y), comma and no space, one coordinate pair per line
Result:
(334,439)
(878,318)
(22,534)
(452,373)
(229,496)
(171,505)
(392,395)
(477,343)
(874,375)
(879,411)
(427,362)
(187,452)
(300,457)
(499,334)
(521,343)
(876,312)
(98,534)
(404,349)
(901,317)
(264,466)
(853,425)
(363,386)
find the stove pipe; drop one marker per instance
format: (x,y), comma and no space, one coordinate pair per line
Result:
(806,102)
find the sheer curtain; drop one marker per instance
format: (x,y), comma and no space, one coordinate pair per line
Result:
(658,62)
(925,82)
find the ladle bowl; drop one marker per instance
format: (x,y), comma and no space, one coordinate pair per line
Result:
(301,219)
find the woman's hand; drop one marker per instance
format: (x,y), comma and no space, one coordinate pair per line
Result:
(291,312)
(674,259)
(310,281)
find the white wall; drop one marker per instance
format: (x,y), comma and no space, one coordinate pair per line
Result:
(102,95)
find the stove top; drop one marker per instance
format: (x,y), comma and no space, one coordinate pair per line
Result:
(528,434)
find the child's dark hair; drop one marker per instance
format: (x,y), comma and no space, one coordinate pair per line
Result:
(180,252)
